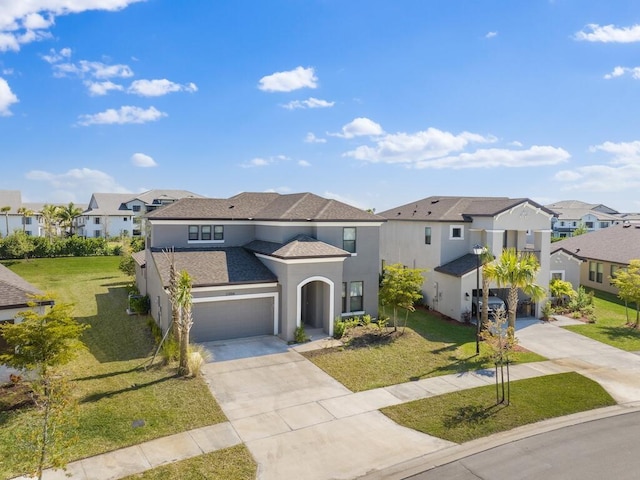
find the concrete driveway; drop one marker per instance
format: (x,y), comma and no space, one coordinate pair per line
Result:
(298,422)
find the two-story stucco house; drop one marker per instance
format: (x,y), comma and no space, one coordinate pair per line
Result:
(263,263)
(573,214)
(438,234)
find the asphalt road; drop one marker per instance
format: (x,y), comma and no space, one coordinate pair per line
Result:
(608,449)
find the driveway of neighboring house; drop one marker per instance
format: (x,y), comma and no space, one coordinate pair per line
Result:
(298,422)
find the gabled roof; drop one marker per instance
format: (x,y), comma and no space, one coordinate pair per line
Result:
(265,207)
(301,246)
(615,244)
(109,204)
(215,266)
(456,209)
(11,198)
(15,292)
(157,197)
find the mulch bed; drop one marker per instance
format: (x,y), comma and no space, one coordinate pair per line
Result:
(14,396)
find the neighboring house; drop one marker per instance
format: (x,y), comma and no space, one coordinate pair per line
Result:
(263,263)
(573,214)
(10,219)
(438,234)
(106,216)
(598,255)
(15,296)
(116,214)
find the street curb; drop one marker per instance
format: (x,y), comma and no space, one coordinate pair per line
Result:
(410,468)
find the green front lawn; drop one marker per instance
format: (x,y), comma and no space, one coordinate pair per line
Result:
(119,402)
(469,414)
(610,326)
(235,463)
(429,347)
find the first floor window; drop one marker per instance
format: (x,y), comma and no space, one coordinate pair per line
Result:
(194,232)
(355,297)
(595,272)
(344,297)
(455,231)
(427,235)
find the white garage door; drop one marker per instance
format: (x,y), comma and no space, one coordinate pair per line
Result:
(232,319)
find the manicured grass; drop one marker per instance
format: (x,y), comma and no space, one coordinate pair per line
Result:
(111,386)
(233,463)
(429,347)
(470,414)
(610,326)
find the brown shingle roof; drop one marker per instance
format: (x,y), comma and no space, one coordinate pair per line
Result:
(615,244)
(455,209)
(266,207)
(301,246)
(15,292)
(219,266)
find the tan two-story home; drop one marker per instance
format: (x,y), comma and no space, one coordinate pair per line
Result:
(438,234)
(263,263)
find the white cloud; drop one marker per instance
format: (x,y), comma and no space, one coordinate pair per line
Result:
(620,71)
(288,81)
(359,127)
(156,88)
(7,98)
(303,163)
(534,156)
(416,147)
(125,114)
(281,190)
(516,143)
(491,35)
(311,138)
(309,103)
(344,199)
(102,88)
(621,173)
(55,57)
(97,70)
(23,22)
(142,160)
(77,184)
(609,34)
(256,162)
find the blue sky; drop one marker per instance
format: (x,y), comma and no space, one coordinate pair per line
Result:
(376,103)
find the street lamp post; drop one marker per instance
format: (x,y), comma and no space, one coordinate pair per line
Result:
(477,251)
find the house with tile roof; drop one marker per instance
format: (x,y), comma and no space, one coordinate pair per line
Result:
(591,260)
(573,214)
(117,214)
(262,263)
(438,234)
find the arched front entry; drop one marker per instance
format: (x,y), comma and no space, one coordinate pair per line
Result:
(315,303)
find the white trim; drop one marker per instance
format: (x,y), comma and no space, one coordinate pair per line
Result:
(351,314)
(245,221)
(316,278)
(220,288)
(451,227)
(247,296)
(294,261)
(204,241)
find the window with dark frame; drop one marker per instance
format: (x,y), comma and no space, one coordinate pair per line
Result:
(349,239)
(344,297)
(218,232)
(599,272)
(205,232)
(96,220)
(355,296)
(427,235)
(135,208)
(194,232)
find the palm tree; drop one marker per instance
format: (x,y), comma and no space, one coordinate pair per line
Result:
(25,212)
(50,219)
(5,210)
(67,216)
(184,300)
(516,270)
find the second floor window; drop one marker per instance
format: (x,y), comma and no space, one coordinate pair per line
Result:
(589,224)
(96,221)
(218,232)
(349,239)
(206,233)
(427,235)
(194,232)
(135,208)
